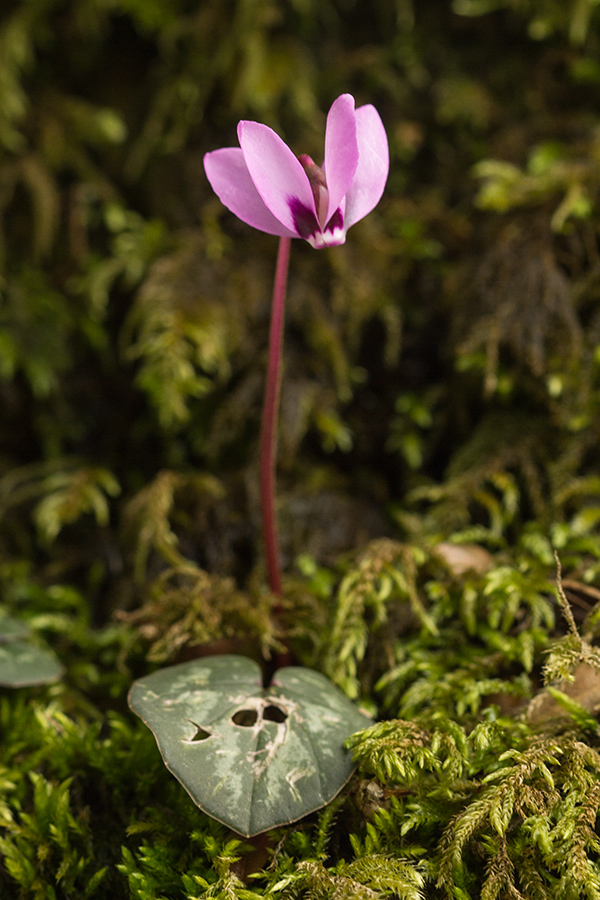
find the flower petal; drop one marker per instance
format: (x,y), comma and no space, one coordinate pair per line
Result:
(341,150)
(277,174)
(229,178)
(373,165)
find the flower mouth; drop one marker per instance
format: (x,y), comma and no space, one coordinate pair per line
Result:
(317,229)
(309,228)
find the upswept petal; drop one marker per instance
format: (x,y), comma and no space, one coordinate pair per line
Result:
(277,174)
(230,179)
(341,150)
(373,165)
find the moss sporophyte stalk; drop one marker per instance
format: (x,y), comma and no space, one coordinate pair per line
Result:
(254,757)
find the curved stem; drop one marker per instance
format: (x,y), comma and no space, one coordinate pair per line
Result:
(268,437)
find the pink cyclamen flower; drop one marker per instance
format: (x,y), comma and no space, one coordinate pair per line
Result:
(271,189)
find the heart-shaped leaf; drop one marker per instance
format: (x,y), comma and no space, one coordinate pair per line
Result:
(23,664)
(250,757)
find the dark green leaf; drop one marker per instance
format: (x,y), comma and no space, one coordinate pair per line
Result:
(23,664)
(250,757)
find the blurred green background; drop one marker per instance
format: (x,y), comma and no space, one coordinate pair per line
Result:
(441,368)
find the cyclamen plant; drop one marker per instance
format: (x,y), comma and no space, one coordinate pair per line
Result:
(271,189)
(255,757)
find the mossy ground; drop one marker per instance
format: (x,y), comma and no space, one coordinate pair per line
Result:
(462,789)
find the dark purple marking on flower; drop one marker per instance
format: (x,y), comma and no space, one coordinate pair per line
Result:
(336,221)
(305,221)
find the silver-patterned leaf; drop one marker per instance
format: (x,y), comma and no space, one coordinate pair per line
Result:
(250,757)
(23,664)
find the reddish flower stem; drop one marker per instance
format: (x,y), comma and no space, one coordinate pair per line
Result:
(268,437)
